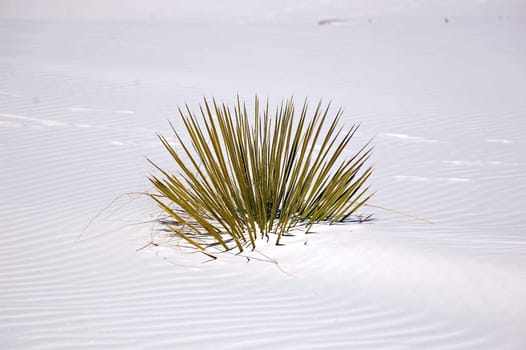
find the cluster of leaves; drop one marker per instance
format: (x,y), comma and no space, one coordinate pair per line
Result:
(244,174)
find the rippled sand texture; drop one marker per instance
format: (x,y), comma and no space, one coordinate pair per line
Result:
(80,103)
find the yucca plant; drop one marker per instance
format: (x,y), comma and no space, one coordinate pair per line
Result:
(245,175)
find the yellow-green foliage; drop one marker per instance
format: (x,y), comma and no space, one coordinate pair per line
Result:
(249,173)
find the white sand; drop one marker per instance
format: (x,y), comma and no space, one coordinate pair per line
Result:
(80,103)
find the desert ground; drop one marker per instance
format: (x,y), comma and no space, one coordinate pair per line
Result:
(439,86)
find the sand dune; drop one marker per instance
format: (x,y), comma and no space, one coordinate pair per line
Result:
(80,103)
